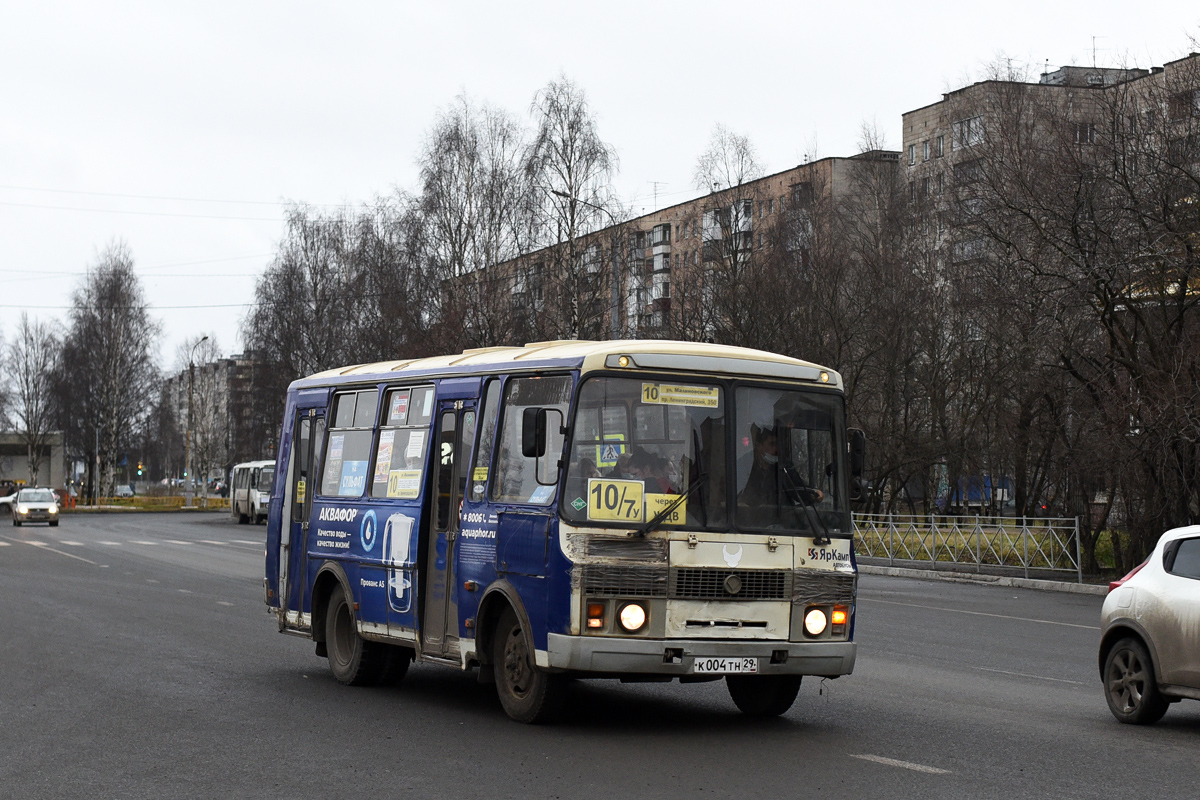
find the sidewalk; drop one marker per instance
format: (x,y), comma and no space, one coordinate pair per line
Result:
(992,580)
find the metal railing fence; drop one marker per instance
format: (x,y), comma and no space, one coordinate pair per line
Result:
(1050,545)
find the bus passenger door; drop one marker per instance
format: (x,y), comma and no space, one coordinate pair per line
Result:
(306,450)
(455,433)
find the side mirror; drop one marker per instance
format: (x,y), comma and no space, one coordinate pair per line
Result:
(858,458)
(533,432)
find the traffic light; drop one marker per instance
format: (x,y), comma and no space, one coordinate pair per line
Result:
(140,468)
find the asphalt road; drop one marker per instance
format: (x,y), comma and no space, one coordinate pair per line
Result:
(137,660)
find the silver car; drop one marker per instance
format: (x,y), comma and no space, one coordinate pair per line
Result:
(1150,631)
(35,505)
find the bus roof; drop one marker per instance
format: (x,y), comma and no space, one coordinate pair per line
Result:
(656,354)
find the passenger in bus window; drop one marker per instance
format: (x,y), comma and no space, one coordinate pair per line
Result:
(585,468)
(651,469)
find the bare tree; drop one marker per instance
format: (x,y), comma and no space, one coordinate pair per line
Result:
(476,208)
(730,161)
(106,379)
(29,365)
(206,418)
(570,169)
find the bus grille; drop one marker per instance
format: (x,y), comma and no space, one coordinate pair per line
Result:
(605,580)
(698,583)
(823,587)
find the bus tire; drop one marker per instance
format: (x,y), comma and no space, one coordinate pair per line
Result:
(763,695)
(527,693)
(395,666)
(243,519)
(353,660)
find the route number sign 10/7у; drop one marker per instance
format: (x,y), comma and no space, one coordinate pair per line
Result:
(615,500)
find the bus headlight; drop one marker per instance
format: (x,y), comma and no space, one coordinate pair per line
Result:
(815,622)
(632,617)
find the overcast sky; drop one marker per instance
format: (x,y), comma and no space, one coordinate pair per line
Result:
(183,128)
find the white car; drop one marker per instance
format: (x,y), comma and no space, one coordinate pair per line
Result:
(1150,631)
(35,505)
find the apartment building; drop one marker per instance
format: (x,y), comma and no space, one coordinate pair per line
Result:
(631,272)
(947,145)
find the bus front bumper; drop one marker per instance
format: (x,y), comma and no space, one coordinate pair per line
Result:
(677,657)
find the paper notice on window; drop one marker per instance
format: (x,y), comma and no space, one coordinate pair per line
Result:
(416,443)
(383,461)
(655,503)
(404,483)
(669,394)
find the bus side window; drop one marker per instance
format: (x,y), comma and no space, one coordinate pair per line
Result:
(345,471)
(301,451)
(517,478)
(487,436)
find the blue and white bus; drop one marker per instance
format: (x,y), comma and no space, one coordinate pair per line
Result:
(642,510)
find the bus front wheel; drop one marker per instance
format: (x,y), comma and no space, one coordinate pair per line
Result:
(763,695)
(527,693)
(353,660)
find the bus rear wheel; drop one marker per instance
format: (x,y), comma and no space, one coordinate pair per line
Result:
(528,694)
(353,660)
(763,695)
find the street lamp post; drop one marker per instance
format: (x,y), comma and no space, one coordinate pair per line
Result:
(615,327)
(188,491)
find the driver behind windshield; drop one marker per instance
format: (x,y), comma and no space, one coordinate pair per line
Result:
(771,487)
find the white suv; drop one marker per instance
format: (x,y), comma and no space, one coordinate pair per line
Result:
(1150,631)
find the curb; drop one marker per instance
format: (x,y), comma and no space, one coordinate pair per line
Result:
(990,580)
(87,510)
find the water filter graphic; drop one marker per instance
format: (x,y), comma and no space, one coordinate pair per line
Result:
(397,538)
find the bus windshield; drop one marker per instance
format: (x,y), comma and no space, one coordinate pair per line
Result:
(787,461)
(640,443)
(652,440)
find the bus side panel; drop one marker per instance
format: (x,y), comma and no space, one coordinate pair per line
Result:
(349,532)
(276,514)
(522,541)
(475,555)
(558,585)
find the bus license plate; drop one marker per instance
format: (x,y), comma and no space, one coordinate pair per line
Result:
(725,666)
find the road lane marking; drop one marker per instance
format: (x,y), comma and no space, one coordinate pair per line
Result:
(111,544)
(144,542)
(891,762)
(223,603)
(243,541)
(980,613)
(5,544)
(212,541)
(184,591)
(44,546)
(73,544)
(1027,675)
(175,541)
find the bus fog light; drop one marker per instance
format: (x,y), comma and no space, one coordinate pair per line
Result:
(815,622)
(632,617)
(595,613)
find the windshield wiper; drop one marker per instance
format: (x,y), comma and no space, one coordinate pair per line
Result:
(670,507)
(806,496)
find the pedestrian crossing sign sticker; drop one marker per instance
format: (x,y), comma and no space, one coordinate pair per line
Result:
(609,450)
